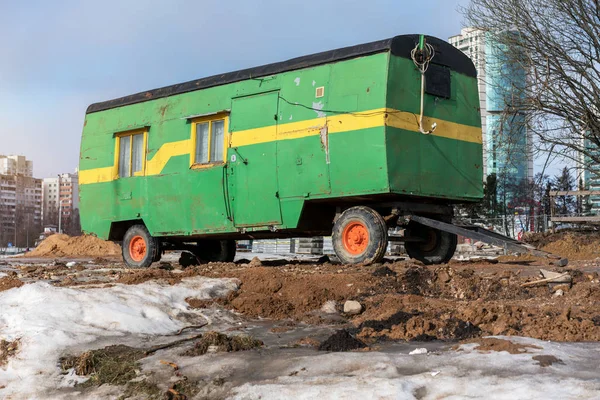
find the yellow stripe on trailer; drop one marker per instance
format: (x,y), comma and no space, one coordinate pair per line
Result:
(297,130)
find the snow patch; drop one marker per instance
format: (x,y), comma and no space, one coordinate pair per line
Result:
(52,321)
(450,374)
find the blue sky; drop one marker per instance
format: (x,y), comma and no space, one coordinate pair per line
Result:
(57,57)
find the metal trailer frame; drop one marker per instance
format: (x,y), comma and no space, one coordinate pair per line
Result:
(478,233)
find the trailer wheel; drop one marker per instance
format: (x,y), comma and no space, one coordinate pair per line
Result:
(139,248)
(215,250)
(360,236)
(438,246)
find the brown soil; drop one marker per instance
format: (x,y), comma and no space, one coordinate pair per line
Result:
(307,341)
(135,277)
(495,344)
(60,245)
(547,360)
(8,282)
(405,300)
(271,293)
(452,302)
(199,303)
(572,244)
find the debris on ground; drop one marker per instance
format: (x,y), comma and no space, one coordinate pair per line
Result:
(170,364)
(341,340)
(188,259)
(214,342)
(9,282)
(550,277)
(8,349)
(420,350)
(115,365)
(556,277)
(61,245)
(329,307)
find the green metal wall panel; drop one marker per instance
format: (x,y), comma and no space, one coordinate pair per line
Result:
(430,165)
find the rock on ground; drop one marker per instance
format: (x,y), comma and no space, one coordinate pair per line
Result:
(352,307)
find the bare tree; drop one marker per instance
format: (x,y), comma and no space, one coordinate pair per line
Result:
(558,43)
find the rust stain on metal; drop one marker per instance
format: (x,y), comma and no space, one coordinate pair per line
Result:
(324,134)
(163,110)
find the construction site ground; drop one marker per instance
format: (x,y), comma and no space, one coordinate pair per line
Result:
(470,324)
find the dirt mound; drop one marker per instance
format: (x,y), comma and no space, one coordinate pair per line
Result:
(496,344)
(572,244)
(341,341)
(8,282)
(60,245)
(448,282)
(270,293)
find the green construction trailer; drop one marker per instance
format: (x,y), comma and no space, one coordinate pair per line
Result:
(348,143)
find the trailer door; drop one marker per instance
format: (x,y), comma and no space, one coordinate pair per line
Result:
(252,161)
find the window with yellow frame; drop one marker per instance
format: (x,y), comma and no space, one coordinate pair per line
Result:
(131,148)
(209,135)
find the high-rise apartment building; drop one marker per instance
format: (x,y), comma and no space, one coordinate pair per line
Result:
(506,142)
(20,201)
(62,189)
(15,165)
(50,196)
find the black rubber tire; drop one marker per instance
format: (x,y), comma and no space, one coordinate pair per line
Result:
(215,250)
(152,247)
(438,248)
(159,252)
(377,230)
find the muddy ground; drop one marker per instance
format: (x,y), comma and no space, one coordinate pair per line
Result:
(401,299)
(300,305)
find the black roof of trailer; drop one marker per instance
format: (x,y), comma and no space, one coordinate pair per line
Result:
(445,54)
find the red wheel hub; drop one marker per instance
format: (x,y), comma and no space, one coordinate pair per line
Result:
(137,248)
(355,238)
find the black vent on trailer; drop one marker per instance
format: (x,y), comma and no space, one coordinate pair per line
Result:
(437,81)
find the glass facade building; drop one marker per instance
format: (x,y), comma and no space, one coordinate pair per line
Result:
(506,142)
